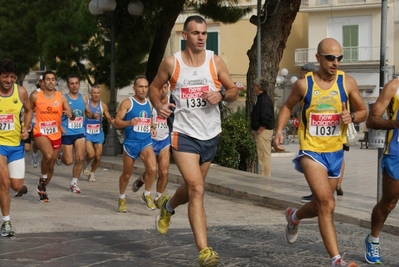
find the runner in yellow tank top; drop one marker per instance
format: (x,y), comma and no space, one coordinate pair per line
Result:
(322,135)
(13,99)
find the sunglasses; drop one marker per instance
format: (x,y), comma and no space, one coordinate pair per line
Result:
(332,57)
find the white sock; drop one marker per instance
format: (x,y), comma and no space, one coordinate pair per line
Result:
(333,259)
(294,219)
(122,196)
(74,181)
(6,218)
(44,176)
(169,208)
(146,193)
(374,239)
(158,195)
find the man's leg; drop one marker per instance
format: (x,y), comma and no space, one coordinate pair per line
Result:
(150,165)
(322,204)
(341,177)
(90,152)
(193,193)
(268,136)
(49,157)
(128,164)
(390,196)
(261,149)
(163,159)
(98,148)
(5,184)
(67,154)
(79,146)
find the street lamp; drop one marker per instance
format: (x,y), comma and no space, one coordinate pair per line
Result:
(107,11)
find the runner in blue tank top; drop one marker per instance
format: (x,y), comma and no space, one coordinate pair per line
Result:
(95,132)
(134,115)
(73,131)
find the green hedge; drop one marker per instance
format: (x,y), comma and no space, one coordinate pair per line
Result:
(236,147)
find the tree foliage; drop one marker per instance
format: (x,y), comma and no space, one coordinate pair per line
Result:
(275,29)
(17,34)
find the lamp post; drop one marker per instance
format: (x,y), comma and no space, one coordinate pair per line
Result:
(280,80)
(107,11)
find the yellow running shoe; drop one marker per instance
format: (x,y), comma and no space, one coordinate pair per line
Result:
(148,201)
(162,221)
(122,205)
(208,258)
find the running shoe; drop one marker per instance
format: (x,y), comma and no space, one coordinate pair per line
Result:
(306,199)
(291,231)
(138,183)
(208,258)
(148,201)
(162,221)
(21,192)
(41,190)
(6,229)
(74,188)
(340,262)
(122,205)
(339,191)
(59,158)
(34,161)
(156,202)
(86,168)
(91,177)
(372,251)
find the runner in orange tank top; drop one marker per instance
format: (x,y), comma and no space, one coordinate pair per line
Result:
(50,105)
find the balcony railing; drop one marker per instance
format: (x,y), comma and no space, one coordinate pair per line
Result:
(353,54)
(323,3)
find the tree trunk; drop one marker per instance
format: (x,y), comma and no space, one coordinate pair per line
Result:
(168,17)
(274,34)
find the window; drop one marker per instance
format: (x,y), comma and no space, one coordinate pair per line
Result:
(350,42)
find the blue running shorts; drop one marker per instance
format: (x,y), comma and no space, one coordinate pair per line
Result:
(331,161)
(158,146)
(133,148)
(70,139)
(13,153)
(95,138)
(206,149)
(390,164)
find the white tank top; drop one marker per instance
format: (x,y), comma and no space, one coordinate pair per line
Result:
(161,126)
(193,115)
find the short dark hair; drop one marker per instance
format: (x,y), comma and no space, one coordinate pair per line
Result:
(139,77)
(196,18)
(7,66)
(71,76)
(48,72)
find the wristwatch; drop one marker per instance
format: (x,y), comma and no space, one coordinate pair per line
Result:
(352,116)
(223,93)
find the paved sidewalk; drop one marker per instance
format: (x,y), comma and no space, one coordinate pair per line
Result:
(286,186)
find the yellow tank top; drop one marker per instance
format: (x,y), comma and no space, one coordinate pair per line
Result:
(10,118)
(392,138)
(320,128)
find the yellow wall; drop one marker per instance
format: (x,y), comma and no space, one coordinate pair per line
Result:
(298,39)
(236,39)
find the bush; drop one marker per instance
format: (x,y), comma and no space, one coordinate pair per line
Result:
(236,147)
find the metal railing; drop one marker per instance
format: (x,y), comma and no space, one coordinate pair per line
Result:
(351,54)
(321,3)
